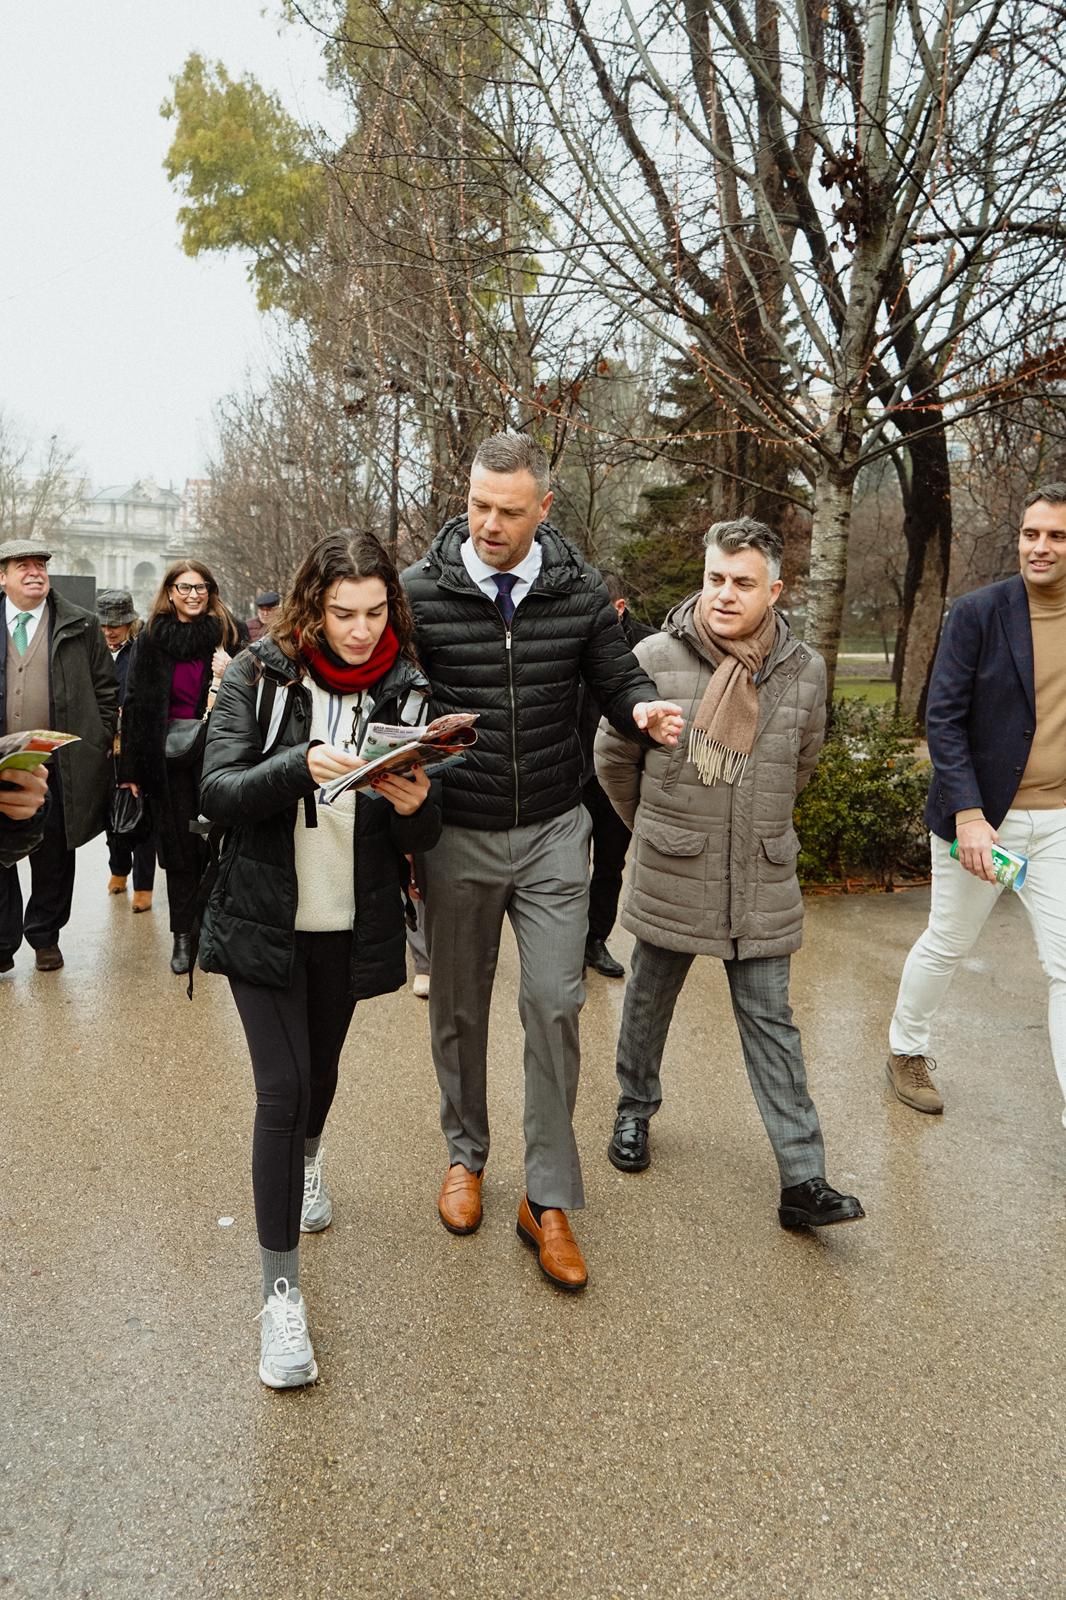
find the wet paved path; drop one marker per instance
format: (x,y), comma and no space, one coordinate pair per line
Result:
(728,1411)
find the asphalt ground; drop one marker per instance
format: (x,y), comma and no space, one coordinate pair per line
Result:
(729,1410)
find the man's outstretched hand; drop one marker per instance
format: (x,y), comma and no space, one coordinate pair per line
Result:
(661,720)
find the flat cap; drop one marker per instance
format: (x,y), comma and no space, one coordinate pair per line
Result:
(269,597)
(17,549)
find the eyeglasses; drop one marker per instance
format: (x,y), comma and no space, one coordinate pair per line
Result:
(191,588)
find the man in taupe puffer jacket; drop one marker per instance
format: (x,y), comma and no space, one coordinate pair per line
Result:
(713,868)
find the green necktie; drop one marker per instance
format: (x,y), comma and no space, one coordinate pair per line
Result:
(18,633)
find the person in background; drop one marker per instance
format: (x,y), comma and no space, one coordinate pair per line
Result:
(416,943)
(996,726)
(306,916)
(267,606)
(714,868)
(120,624)
(610,836)
(177,662)
(55,672)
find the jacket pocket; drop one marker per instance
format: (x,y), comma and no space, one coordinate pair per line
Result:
(783,849)
(669,840)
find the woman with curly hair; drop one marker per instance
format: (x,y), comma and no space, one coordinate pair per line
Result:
(176,662)
(306,915)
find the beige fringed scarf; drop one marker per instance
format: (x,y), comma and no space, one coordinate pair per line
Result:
(723,730)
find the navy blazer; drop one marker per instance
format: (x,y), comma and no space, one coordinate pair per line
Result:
(981,710)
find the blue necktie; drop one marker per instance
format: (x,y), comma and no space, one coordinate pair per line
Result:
(505,582)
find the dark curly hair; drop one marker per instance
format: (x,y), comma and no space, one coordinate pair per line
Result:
(338,556)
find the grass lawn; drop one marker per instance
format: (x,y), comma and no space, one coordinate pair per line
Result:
(876,691)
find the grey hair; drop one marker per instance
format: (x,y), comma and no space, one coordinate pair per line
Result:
(514,452)
(1053,493)
(745,533)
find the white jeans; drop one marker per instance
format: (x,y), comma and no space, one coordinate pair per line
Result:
(959,909)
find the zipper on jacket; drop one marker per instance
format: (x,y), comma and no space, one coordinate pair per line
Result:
(514,716)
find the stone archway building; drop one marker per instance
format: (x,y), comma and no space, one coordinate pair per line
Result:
(126,536)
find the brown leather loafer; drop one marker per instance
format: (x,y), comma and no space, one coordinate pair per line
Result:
(142,899)
(557,1250)
(116,885)
(459,1201)
(49,958)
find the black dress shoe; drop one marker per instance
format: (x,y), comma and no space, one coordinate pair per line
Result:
(181,959)
(49,958)
(7,961)
(628,1149)
(600,958)
(815,1205)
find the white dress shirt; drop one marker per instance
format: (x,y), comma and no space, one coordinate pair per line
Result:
(525,572)
(13,614)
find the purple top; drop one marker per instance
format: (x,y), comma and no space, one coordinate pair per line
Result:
(185,688)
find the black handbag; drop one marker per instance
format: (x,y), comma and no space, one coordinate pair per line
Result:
(186,737)
(129,817)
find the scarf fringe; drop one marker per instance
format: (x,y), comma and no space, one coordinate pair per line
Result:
(714,762)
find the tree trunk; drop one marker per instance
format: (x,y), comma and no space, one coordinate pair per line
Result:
(927,530)
(833,496)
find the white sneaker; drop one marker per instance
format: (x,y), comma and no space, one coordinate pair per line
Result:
(420,985)
(286,1359)
(317,1210)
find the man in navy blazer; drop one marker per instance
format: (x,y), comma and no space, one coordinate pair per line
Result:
(996,725)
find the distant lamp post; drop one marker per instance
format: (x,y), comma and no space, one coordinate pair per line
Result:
(356,398)
(398,391)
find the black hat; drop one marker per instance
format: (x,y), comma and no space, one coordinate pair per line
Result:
(269,597)
(114,607)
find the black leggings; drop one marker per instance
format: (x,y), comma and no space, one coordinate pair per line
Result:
(295,1037)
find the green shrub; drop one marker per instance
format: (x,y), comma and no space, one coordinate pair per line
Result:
(861,814)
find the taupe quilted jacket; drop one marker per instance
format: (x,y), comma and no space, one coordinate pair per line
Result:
(713,869)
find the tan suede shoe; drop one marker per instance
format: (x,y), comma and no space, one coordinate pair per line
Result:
(909,1077)
(557,1250)
(116,885)
(459,1202)
(142,899)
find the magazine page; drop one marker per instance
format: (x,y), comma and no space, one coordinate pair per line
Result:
(31,747)
(439,743)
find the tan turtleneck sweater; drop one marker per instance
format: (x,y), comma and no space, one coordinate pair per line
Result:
(1043,783)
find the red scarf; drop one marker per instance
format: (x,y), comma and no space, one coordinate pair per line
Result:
(331,672)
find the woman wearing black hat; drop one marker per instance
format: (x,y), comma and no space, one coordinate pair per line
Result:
(120,625)
(178,659)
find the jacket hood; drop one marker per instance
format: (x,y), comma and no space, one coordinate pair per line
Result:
(680,625)
(562,564)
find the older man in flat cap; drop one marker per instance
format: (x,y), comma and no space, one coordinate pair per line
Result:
(267,606)
(55,672)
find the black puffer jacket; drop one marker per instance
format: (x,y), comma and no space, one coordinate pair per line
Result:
(247,930)
(527,764)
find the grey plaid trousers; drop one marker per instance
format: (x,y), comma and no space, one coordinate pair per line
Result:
(769,1039)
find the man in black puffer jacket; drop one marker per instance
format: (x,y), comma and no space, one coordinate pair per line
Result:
(509,619)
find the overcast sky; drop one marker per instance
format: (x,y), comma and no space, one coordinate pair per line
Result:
(110,336)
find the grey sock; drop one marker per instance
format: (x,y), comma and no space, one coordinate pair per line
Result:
(280,1264)
(311,1148)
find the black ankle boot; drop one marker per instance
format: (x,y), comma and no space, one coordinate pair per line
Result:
(181,959)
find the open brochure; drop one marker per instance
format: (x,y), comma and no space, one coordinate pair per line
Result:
(30,748)
(400,750)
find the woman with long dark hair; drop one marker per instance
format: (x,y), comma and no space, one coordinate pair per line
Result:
(175,665)
(305,917)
